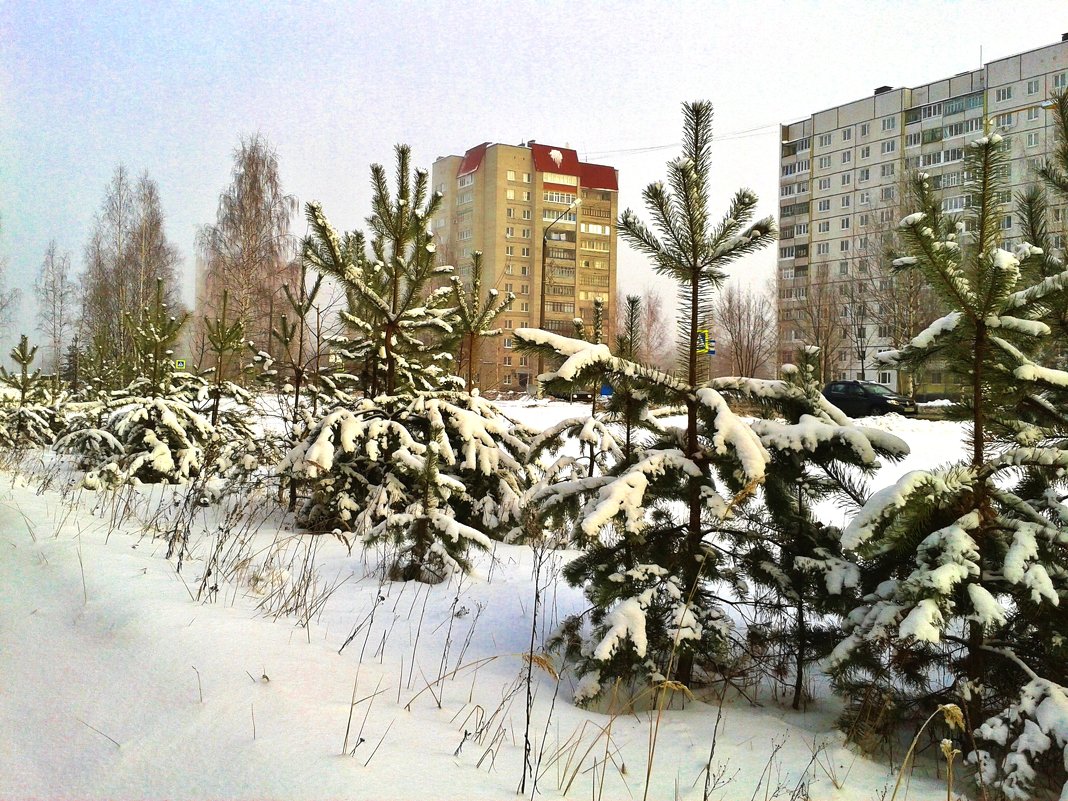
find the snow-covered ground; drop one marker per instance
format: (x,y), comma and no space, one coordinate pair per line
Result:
(116,683)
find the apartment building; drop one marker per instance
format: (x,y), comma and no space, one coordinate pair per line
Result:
(545,224)
(842,172)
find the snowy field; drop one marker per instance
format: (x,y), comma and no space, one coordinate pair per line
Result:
(115,682)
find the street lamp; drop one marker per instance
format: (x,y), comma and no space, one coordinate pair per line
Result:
(544,252)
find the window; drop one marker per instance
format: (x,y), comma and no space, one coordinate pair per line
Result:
(509,250)
(847,156)
(865,219)
(933,110)
(1006,222)
(1032,87)
(570,217)
(847,134)
(888,146)
(802,187)
(864,198)
(803,165)
(824,183)
(525,233)
(567,198)
(1003,120)
(464,235)
(845,201)
(865,152)
(865,128)
(889,123)
(823,248)
(823,227)
(886,193)
(508,343)
(930,159)
(912,139)
(511,175)
(847,178)
(886,170)
(1003,94)
(509,212)
(844,223)
(1032,139)
(788,170)
(509,194)
(1060,80)
(509,231)
(526,214)
(465,197)
(843,268)
(557,178)
(824,162)
(824,205)
(1032,114)
(884,377)
(843,246)
(801,229)
(786,252)
(526,177)
(864,174)
(526,197)
(825,140)
(953,154)
(465,181)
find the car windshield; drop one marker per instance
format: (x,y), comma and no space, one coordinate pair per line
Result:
(878,389)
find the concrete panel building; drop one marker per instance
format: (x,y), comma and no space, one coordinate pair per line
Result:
(841,177)
(526,207)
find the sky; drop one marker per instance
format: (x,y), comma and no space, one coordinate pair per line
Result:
(171,87)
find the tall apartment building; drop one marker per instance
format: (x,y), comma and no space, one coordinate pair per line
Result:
(525,206)
(840,185)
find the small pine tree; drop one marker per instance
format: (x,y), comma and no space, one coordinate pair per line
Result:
(778,541)
(476,317)
(28,420)
(413,462)
(965,565)
(650,573)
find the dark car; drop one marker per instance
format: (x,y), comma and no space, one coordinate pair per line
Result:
(860,398)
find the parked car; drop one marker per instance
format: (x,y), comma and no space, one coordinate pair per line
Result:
(861,398)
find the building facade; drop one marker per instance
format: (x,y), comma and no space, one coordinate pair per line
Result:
(528,207)
(842,173)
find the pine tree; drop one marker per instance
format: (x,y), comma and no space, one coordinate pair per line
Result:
(28,420)
(778,541)
(650,574)
(476,317)
(414,463)
(966,566)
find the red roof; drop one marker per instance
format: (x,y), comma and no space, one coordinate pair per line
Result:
(472,159)
(565,161)
(560,160)
(599,176)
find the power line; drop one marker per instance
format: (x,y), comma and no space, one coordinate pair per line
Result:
(747,133)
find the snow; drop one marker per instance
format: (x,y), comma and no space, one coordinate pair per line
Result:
(911,219)
(129,653)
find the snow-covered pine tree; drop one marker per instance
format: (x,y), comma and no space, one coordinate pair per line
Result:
(28,420)
(778,542)
(967,572)
(650,573)
(152,433)
(415,462)
(475,318)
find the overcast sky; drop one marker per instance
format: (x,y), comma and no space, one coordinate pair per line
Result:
(171,87)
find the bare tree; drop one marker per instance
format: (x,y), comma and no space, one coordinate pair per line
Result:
(55,303)
(9,298)
(151,258)
(248,250)
(819,322)
(127,254)
(745,329)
